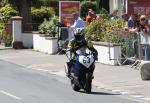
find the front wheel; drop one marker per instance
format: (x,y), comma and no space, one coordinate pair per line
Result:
(88,85)
(74,86)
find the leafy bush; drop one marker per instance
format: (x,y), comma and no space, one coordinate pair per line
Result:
(5,37)
(113,33)
(39,14)
(2,30)
(104,13)
(48,3)
(7,40)
(6,13)
(85,6)
(95,31)
(105,30)
(49,27)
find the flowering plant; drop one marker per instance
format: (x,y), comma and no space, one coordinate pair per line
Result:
(105,30)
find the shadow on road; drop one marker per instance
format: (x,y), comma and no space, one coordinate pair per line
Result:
(100,93)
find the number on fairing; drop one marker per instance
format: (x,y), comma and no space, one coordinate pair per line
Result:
(86,60)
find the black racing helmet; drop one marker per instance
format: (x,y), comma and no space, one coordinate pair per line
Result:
(79,34)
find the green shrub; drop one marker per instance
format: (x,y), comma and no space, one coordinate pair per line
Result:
(95,31)
(85,6)
(39,14)
(5,37)
(113,33)
(6,13)
(105,30)
(7,40)
(104,13)
(48,3)
(2,30)
(49,27)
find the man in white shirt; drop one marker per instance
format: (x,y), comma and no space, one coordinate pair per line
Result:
(78,22)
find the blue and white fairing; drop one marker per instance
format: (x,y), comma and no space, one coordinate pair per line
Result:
(85,57)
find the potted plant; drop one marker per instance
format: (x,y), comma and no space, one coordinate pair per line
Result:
(46,41)
(108,38)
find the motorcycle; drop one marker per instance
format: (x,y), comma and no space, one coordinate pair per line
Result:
(82,70)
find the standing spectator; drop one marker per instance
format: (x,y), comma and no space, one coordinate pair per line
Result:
(89,17)
(96,17)
(144,29)
(132,21)
(132,24)
(78,22)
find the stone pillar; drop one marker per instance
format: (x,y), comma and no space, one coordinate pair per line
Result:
(120,8)
(17,32)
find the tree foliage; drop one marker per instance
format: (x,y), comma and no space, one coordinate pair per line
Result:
(39,14)
(6,13)
(86,5)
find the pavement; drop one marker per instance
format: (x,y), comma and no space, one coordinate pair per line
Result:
(121,79)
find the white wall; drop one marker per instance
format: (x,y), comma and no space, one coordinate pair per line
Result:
(108,55)
(27,39)
(17,30)
(44,44)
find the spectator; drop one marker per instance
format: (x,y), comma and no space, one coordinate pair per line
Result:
(78,22)
(132,25)
(132,22)
(96,17)
(89,17)
(144,29)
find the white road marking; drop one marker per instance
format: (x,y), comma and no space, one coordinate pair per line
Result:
(124,93)
(116,90)
(44,70)
(10,95)
(60,73)
(146,98)
(138,96)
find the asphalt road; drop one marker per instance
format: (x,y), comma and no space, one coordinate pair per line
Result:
(21,85)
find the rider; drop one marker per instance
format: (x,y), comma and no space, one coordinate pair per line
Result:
(76,43)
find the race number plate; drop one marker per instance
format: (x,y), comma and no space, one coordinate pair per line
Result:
(86,60)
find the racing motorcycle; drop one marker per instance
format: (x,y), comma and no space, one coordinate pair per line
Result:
(83,65)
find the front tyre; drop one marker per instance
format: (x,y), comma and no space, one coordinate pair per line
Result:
(88,84)
(74,86)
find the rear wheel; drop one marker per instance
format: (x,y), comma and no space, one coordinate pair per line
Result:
(88,85)
(74,86)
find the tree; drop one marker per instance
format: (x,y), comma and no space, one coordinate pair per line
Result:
(23,7)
